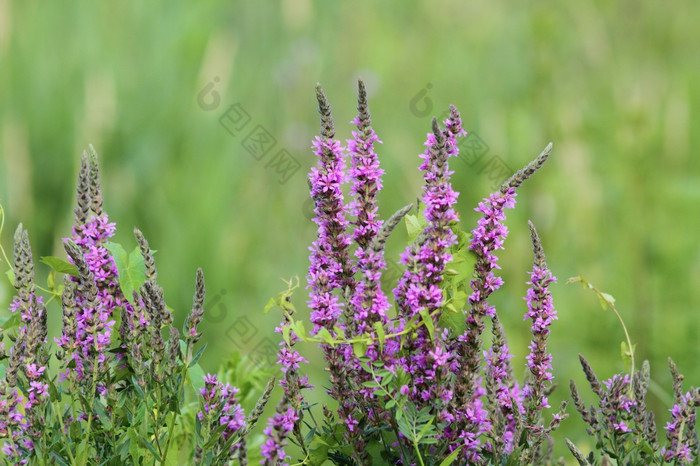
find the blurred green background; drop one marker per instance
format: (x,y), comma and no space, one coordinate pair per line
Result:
(615,85)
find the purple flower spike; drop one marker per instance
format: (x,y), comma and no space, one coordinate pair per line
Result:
(540,310)
(368,303)
(330,267)
(219,406)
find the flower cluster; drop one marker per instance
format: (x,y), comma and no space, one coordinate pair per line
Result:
(21,410)
(94,294)
(220,411)
(286,420)
(539,361)
(680,430)
(414,380)
(380,364)
(682,438)
(109,385)
(278,429)
(368,303)
(625,428)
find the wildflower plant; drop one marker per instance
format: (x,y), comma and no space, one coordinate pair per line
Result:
(423,376)
(411,380)
(428,379)
(623,426)
(125,386)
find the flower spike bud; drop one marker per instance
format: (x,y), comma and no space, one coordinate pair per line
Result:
(526,172)
(146,254)
(362,106)
(539,361)
(95,191)
(83,192)
(87,278)
(197,312)
(173,351)
(591,377)
(23,264)
(257,411)
(324,108)
(388,227)
(435,126)
(580,457)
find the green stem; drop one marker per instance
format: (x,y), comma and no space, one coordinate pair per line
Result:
(156,420)
(393,421)
(415,445)
(57,408)
(607,300)
(93,389)
(181,390)
(2,224)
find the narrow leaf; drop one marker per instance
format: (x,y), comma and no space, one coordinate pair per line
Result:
(453,456)
(60,266)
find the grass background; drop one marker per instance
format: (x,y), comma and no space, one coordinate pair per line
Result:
(614,84)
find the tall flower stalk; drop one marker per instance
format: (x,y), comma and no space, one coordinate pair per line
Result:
(24,391)
(116,398)
(471,418)
(331,273)
(540,310)
(429,360)
(411,361)
(286,422)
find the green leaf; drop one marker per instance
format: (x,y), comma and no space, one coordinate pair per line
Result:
(197,376)
(425,429)
(428,322)
(404,427)
(270,304)
(387,378)
(325,335)
(58,459)
(319,455)
(75,431)
(606,300)
(51,280)
(454,319)
(131,268)
(414,226)
(197,355)
(381,336)
(299,330)
(453,456)
(102,414)
(359,348)
(11,321)
(150,447)
(60,266)
(579,279)
(134,449)
(11,276)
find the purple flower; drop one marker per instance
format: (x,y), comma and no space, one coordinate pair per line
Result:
(541,312)
(90,334)
(34,372)
(219,406)
(277,431)
(419,287)
(680,430)
(290,359)
(368,303)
